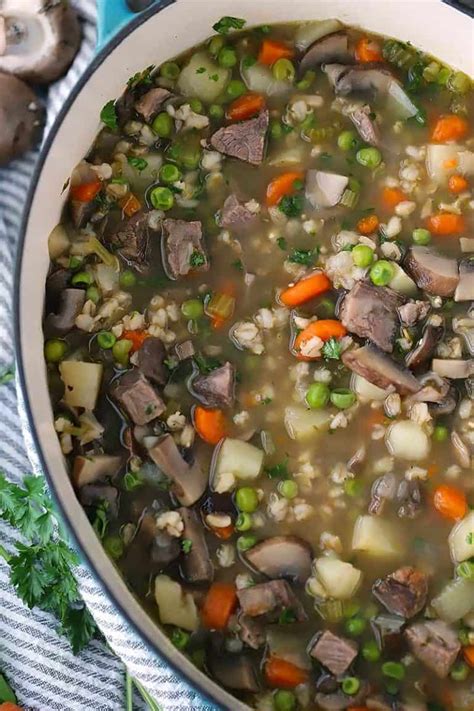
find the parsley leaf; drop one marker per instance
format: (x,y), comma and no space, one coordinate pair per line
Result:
(101,520)
(7,375)
(291,205)
(141,78)
(287,616)
(186,545)
(226,24)
(138,163)
(281,242)
(303,256)
(6,693)
(332,349)
(206,364)
(238,265)
(131,481)
(278,470)
(108,115)
(197,259)
(200,70)
(248,61)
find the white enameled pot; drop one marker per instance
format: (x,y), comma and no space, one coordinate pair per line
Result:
(159,33)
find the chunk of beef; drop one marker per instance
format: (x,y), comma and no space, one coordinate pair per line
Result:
(465,288)
(330,48)
(234,215)
(244,140)
(137,397)
(426,346)
(70,306)
(131,239)
(183,249)
(270,599)
(252,631)
(365,125)
(371,312)
(381,370)
(403,592)
(185,350)
(164,549)
(333,652)
(217,388)
(93,495)
(234,671)
(413,311)
(383,489)
(196,564)
(150,360)
(409,499)
(189,480)
(150,103)
(432,272)
(435,644)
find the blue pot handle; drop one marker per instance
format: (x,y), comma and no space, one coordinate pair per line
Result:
(112,15)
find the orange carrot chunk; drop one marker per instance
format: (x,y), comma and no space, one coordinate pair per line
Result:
(305,289)
(368,225)
(136,337)
(391,197)
(449,128)
(272,50)
(130,204)
(445,224)
(323,329)
(245,107)
(211,425)
(9,706)
(85,192)
(219,604)
(457,184)
(450,502)
(284,675)
(368,51)
(468,653)
(282,185)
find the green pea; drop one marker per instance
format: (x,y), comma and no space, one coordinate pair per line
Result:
(284,700)
(215,45)
(369,157)
(305,83)
(348,141)
(235,88)
(421,236)
(284,70)
(192,309)
(170,70)
(353,487)
(127,279)
(55,350)
(169,173)
(243,522)
(106,339)
(93,294)
(216,112)
(82,279)
(276,129)
(459,672)
(246,499)
(75,262)
(317,395)
(355,626)
(114,546)
(394,670)
(121,350)
(288,488)
(350,685)
(244,543)
(392,687)
(370,651)
(440,433)
(180,638)
(342,398)
(362,255)
(382,272)
(163,125)
(162,198)
(466,570)
(227,57)
(196,105)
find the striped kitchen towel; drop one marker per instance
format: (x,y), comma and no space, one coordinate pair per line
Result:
(38,662)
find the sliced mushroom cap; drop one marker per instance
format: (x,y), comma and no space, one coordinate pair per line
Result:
(358,78)
(330,48)
(465,288)
(282,557)
(196,564)
(437,392)
(70,306)
(454,369)
(325,189)
(189,481)
(426,346)
(21,118)
(432,272)
(379,369)
(94,468)
(41,38)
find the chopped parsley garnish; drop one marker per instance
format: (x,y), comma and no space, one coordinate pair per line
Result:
(138,163)
(132,480)
(291,205)
(141,78)
(278,471)
(325,156)
(101,518)
(470,538)
(238,265)
(286,128)
(303,256)
(197,259)
(287,616)
(226,24)
(281,242)
(201,70)
(332,349)
(264,29)
(7,375)
(266,401)
(214,77)
(248,61)
(108,115)
(206,364)
(186,545)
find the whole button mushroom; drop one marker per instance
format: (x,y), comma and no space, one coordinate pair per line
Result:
(38,38)
(21,117)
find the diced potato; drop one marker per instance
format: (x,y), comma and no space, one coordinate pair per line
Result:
(106,277)
(81,383)
(58,242)
(461,539)
(175,606)
(455,600)
(399,102)
(260,79)
(376,537)
(205,85)
(241,459)
(402,283)
(407,440)
(303,424)
(309,32)
(366,392)
(466,162)
(340,579)
(442,160)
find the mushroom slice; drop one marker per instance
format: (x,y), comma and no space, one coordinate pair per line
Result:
(41,39)
(94,468)
(453,368)
(21,117)
(465,327)
(426,346)
(70,306)
(432,272)
(348,78)
(465,288)
(325,189)
(282,557)
(331,48)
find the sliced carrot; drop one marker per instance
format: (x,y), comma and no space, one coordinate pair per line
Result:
(449,128)
(85,192)
(376,416)
(305,289)
(323,329)
(368,51)
(468,653)
(223,533)
(9,706)
(391,197)
(130,204)
(283,185)
(433,470)
(457,184)
(284,675)
(450,502)
(272,50)
(245,107)
(444,224)
(368,225)
(136,337)
(219,604)
(450,163)
(211,425)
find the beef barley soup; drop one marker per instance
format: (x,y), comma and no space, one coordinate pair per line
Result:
(259,330)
